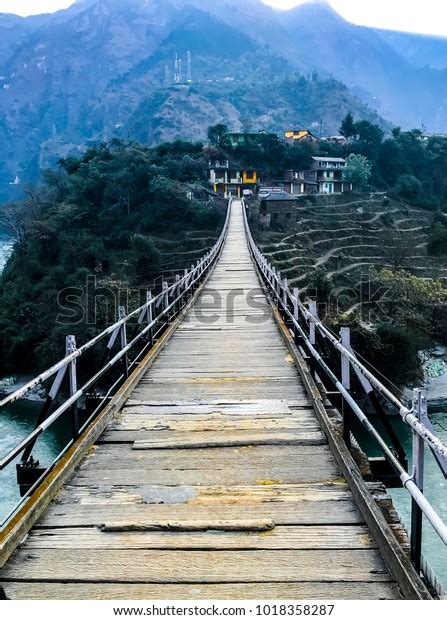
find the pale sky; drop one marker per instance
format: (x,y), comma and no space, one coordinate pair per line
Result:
(425,16)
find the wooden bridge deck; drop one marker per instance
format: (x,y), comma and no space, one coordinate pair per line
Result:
(217,440)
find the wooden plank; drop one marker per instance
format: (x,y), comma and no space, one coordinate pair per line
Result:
(340,512)
(246,525)
(233,591)
(281,537)
(205,475)
(133,427)
(288,458)
(155,494)
(217,439)
(140,566)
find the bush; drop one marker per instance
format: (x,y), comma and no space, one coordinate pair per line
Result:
(408,187)
(437,246)
(146,256)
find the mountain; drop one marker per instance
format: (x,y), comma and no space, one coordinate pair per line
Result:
(104,69)
(420,50)
(373,65)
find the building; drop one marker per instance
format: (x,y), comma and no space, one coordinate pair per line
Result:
(299,135)
(300,182)
(339,140)
(196,191)
(328,173)
(277,208)
(265,191)
(231,180)
(324,177)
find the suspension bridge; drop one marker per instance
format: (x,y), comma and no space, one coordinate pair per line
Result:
(221,459)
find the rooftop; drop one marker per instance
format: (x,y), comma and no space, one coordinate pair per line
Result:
(278,196)
(334,160)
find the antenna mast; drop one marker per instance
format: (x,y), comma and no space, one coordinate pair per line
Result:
(176,69)
(188,67)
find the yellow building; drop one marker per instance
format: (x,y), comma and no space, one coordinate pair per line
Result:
(297,135)
(229,179)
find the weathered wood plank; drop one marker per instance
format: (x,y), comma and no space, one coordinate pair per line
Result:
(281,537)
(228,439)
(253,525)
(340,512)
(155,494)
(232,591)
(205,475)
(283,457)
(134,426)
(140,566)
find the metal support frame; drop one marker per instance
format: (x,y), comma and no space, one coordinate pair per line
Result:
(73,384)
(420,409)
(345,338)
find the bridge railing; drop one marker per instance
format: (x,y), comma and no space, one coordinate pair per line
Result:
(320,344)
(120,355)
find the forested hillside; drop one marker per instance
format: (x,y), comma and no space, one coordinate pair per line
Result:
(121,214)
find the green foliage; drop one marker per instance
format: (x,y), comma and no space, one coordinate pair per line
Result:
(320,284)
(389,343)
(437,245)
(409,187)
(357,171)
(348,128)
(369,134)
(146,256)
(217,135)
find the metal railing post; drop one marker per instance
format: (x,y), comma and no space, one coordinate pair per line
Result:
(177,294)
(314,314)
(285,293)
(150,316)
(345,337)
(165,299)
(420,409)
(296,312)
(70,347)
(123,338)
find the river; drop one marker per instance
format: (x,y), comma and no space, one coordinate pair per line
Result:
(18,420)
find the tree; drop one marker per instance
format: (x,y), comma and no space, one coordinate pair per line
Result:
(399,247)
(370,138)
(357,171)
(217,134)
(348,128)
(146,256)
(409,187)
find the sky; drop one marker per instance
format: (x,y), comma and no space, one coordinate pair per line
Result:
(424,16)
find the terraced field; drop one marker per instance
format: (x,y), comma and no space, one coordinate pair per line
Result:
(349,239)
(178,255)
